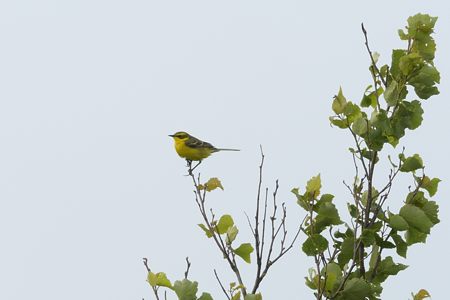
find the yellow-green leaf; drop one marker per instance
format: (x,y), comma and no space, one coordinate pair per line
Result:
(231,234)
(422,294)
(206,230)
(253,297)
(313,186)
(158,279)
(236,296)
(411,163)
(244,251)
(431,185)
(225,222)
(339,102)
(211,185)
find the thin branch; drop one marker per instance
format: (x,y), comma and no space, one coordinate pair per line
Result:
(256,233)
(154,288)
(264,222)
(188,266)
(264,263)
(371,56)
(249,223)
(221,285)
(361,158)
(200,198)
(146,264)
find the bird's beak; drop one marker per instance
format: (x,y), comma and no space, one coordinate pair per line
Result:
(171,135)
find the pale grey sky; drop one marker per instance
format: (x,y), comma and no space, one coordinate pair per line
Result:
(89,90)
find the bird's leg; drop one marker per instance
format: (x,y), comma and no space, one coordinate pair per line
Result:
(189,166)
(199,162)
(188,163)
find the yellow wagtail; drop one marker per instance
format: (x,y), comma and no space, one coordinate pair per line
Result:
(193,149)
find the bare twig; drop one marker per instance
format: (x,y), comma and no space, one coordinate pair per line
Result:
(154,288)
(200,199)
(264,262)
(371,56)
(256,232)
(249,223)
(221,285)
(188,266)
(146,264)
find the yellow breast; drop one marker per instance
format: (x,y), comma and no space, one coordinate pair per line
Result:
(191,153)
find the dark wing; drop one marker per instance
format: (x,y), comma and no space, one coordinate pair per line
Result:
(196,143)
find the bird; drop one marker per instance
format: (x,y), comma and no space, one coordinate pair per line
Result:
(193,149)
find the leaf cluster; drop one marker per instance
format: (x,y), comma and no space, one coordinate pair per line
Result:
(349,258)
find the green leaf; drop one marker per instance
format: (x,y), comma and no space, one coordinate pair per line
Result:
(402,247)
(327,215)
(352,112)
(244,251)
(391,93)
(347,250)
(416,218)
(302,200)
(355,289)
(151,279)
(310,280)
(374,256)
(313,186)
(339,102)
(424,81)
(398,223)
(381,128)
(368,154)
(236,296)
(430,185)
(253,297)
(315,244)
(408,115)
(211,185)
(411,163)
(365,196)
(225,222)
(420,27)
(368,237)
(397,54)
(205,296)
(416,198)
(369,99)
(387,245)
(333,275)
(410,63)
(206,230)
(360,126)
(431,209)
(158,279)
(420,24)
(231,234)
(186,289)
(387,268)
(325,198)
(414,236)
(352,210)
(339,123)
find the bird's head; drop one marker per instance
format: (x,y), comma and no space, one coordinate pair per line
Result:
(180,136)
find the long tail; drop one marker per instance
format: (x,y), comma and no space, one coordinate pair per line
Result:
(225,149)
